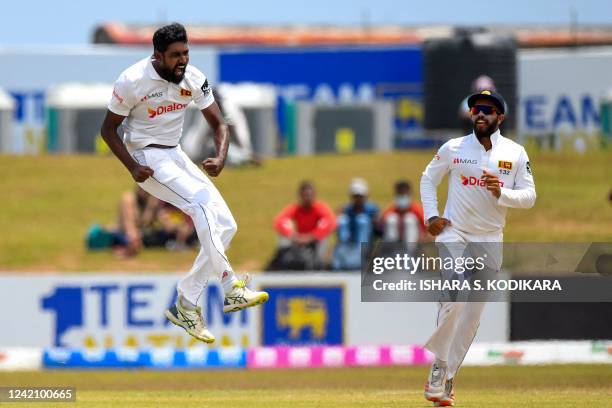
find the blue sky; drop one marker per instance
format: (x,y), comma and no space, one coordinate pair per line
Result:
(71,22)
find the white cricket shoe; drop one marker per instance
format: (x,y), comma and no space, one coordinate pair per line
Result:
(190,320)
(434,388)
(448,399)
(241,297)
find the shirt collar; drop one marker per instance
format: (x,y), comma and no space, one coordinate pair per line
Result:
(152,72)
(494,138)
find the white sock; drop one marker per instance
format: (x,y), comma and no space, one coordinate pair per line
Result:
(227,280)
(186,304)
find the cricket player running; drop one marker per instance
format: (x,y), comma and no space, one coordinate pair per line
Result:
(150,98)
(488,174)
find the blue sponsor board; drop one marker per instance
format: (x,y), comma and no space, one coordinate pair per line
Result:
(545,113)
(332,75)
(164,358)
(303,315)
(129,312)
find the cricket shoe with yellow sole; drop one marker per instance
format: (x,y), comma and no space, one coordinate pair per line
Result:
(241,297)
(448,399)
(190,320)
(434,388)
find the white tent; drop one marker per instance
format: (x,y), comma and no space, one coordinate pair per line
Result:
(75,112)
(7,107)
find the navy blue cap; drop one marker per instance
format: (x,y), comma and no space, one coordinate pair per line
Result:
(493,96)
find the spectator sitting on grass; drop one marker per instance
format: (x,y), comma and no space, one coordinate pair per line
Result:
(143,221)
(181,233)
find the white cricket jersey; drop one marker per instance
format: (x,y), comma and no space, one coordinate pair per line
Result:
(470,207)
(155,108)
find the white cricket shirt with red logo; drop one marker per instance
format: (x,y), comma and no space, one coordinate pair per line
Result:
(470,207)
(155,108)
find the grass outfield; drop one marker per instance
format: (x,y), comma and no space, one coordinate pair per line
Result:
(48,202)
(508,386)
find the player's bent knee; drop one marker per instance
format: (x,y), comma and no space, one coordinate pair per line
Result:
(233,227)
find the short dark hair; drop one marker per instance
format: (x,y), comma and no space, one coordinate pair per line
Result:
(402,185)
(167,35)
(306,185)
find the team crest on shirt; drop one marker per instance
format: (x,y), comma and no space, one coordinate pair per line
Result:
(185,92)
(504,165)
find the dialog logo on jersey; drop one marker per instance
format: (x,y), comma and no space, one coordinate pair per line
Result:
(474,181)
(160,110)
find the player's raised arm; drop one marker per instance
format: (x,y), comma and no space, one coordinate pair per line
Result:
(111,137)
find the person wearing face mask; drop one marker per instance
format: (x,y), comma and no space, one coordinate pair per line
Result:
(356,224)
(403,220)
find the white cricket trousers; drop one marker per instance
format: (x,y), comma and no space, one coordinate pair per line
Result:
(178,181)
(457,322)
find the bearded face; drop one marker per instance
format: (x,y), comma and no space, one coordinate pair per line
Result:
(485,117)
(172,63)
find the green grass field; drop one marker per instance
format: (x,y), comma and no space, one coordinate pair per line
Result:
(509,386)
(48,202)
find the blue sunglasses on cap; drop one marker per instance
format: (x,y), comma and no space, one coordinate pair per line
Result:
(486,109)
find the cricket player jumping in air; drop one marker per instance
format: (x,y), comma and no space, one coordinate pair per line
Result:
(487,174)
(150,98)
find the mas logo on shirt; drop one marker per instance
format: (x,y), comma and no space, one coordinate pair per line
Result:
(458,160)
(437,157)
(528,168)
(160,110)
(185,92)
(156,94)
(504,165)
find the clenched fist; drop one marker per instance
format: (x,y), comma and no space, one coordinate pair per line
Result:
(141,173)
(435,225)
(213,166)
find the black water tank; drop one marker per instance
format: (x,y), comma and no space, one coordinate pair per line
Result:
(452,64)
